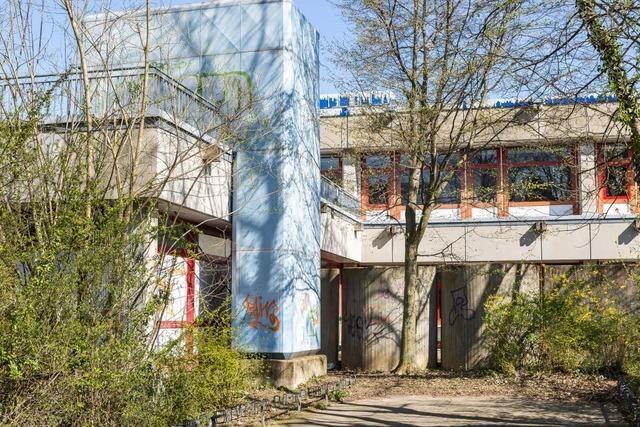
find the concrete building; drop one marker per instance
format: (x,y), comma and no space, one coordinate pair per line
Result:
(303,213)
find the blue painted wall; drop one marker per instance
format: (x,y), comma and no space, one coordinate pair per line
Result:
(267,52)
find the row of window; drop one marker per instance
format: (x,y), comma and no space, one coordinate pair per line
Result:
(490,176)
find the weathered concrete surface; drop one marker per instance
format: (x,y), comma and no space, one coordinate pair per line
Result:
(293,372)
(462,411)
(329,313)
(372,322)
(465,290)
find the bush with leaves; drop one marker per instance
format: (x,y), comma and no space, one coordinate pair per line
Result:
(79,295)
(577,325)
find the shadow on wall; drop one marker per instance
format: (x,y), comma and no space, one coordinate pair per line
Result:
(465,290)
(372,324)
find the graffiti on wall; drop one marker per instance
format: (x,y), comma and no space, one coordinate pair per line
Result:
(310,315)
(355,326)
(359,325)
(262,314)
(460,306)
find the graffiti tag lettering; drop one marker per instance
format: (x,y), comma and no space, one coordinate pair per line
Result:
(460,307)
(263,314)
(357,325)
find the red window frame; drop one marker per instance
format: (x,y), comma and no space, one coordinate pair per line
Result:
(573,200)
(602,165)
(190,315)
(497,166)
(394,172)
(364,180)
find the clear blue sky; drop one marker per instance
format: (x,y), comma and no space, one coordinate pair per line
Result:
(329,23)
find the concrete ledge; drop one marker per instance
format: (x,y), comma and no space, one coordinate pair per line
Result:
(293,372)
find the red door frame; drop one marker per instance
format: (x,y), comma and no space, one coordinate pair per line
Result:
(191,296)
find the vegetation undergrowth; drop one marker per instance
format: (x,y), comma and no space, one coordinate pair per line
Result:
(81,289)
(585,321)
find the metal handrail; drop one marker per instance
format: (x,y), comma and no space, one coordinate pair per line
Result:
(339,197)
(113,92)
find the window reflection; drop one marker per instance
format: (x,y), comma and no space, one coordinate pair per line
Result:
(540,174)
(331,168)
(539,183)
(446,165)
(614,174)
(378,171)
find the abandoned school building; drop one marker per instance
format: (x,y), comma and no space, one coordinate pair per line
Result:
(305,216)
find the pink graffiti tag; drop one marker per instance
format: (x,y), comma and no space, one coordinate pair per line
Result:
(264,315)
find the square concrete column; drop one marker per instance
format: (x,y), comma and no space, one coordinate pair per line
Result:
(587,184)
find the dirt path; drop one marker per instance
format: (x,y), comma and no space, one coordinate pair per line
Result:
(462,411)
(447,399)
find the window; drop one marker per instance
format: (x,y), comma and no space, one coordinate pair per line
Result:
(615,174)
(206,168)
(377,171)
(331,168)
(446,164)
(540,175)
(485,165)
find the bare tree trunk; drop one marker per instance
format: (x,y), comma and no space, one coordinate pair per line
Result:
(408,362)
(412,240)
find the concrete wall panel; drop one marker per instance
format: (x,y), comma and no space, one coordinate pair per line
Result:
(377,246)
(614,240)
(507,242)
(464,293)
(566,242)
(372,322)
(340,238)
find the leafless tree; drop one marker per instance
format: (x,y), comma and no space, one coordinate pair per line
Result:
(442,60)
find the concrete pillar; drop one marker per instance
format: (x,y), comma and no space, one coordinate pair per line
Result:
(587,183)
(464,291)
(372,324)
(351,173)
(329,313)
(276,200)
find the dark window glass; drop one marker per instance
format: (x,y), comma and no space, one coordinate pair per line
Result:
(377,187)
(404,188)
(451,192)
(449,195)
(615,152)
(331,169)
(536,183)
(616,181)
(444,161)
(377,171)
(377,162)
(328,163)
(485,157)
(527,155)
(484,166)
(485,184)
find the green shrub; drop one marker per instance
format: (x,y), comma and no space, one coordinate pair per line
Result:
(79,300)
(578,324)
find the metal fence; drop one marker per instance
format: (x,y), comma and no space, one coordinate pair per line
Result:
(338,197)
(279,405)
(114,94)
